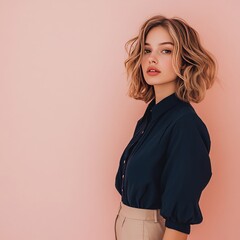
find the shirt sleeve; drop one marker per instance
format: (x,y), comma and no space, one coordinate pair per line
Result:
(186,173)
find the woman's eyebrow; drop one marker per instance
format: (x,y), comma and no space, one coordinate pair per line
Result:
(160,43)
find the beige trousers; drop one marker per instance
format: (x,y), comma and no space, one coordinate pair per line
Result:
(138,224)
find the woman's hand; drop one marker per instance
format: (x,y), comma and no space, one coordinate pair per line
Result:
(171,234)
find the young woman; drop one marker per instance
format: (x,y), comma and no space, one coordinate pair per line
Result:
(166,165)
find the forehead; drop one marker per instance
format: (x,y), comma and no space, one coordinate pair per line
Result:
(158,35)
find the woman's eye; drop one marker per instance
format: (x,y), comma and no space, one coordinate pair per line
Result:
(146,51)
(167,51)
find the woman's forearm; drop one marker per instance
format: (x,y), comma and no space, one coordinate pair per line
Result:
(171,234)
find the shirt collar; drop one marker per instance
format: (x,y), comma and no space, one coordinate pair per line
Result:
(163,106)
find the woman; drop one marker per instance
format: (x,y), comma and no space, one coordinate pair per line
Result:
(166,164)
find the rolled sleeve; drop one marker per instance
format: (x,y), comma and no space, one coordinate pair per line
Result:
(186,173)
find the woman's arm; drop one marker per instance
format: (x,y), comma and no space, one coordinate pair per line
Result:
(171,234)
(186,173)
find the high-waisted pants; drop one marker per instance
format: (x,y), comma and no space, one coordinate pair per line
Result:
(138,224)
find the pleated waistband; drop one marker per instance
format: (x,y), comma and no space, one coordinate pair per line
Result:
(139,213)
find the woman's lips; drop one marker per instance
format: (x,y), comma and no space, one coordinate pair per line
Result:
(153,70)
(153,73)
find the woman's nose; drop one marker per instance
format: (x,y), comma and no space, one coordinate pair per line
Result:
(152,58)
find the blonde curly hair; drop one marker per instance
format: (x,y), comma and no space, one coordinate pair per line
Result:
(194,66)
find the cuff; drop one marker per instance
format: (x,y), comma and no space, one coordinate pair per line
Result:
(182,227)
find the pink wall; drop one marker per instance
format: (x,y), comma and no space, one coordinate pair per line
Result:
(65,117)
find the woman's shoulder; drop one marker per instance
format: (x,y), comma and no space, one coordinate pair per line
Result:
(186,114)
(187,120)
(187,129)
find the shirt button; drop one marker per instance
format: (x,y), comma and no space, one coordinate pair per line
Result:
(124,161)
(142,132)
(122,189)
(123,176)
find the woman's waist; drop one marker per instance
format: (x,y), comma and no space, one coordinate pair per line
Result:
(139,213)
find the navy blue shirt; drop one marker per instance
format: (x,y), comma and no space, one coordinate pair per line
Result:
(166,164)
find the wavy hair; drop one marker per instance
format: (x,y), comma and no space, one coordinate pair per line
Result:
(194,66)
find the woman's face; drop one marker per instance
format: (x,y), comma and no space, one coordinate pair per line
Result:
(158,53)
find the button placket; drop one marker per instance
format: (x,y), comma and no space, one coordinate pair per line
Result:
(124,162)
(137,138)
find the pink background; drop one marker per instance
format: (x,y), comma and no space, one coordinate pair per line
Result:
(65,117)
